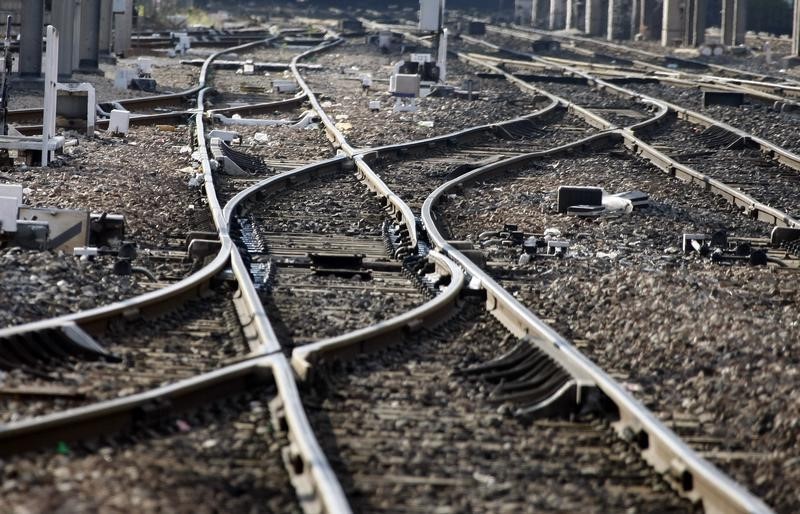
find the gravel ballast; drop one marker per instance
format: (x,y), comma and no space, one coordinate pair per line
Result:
(405,434)
(709,348)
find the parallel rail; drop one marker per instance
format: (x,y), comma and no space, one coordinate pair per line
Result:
(316,485)
(311,474)
(738,198)
(691,475)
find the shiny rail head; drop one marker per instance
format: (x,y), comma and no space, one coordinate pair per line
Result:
(432,271)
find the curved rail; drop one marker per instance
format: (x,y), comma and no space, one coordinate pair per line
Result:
(527,33)
(760,210)
(370,178)
(691,475)
(389,331)
(317,486)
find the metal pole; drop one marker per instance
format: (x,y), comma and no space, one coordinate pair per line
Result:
(30,44)
(90,35)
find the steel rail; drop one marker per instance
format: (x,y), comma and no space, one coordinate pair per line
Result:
(791,88)
(317,486)
(109,416)
(760,210)
(19,115)
(761,91)
(691,475)
(399,208)
(454,137)
(315,482)
(387,332)
(527,33)
(261,108)
(96,320)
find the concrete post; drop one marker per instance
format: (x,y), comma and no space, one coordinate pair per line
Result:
(90,36)
(540,14)
(619,19)
(739,21)
(76,35)
(558,14)
(30,44)
(50,83)
(650,19)
(695,31)
(579,7)
(796,30)
(106,23)
(596,17)
(64,20)
(570,18)
(635,18)
(672,23)
(523,11)
(123,29)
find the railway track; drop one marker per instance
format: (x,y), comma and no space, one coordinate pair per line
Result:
(590,48)
(624,295)
(405,431)
(325,258)
(131,357)
(754,115)
(348,105)
(774,167)
(305,466)
(295,232)
(414,172)
(271,132)
(307,361)
(223,455)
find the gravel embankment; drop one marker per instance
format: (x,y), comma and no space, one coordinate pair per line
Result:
(709,348)
(343,99)
(758,119)
(38,285)
(404,433)
(144,176)
(225,457)
(331,215)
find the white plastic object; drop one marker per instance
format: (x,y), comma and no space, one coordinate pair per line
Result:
(119,122)
(8,213)
(145,65)
(404,85)
(123,78)
(12,191)
(429,14)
